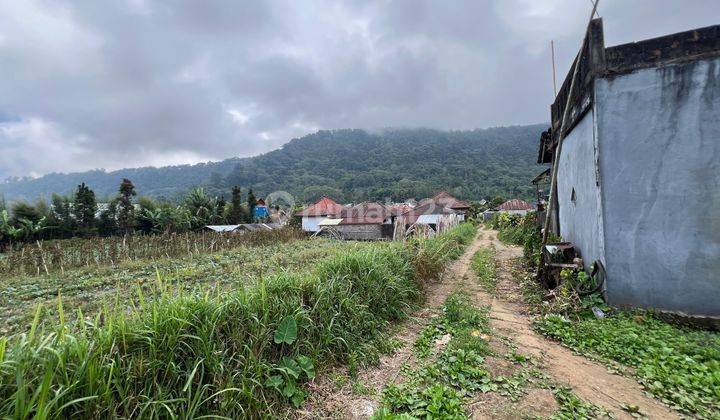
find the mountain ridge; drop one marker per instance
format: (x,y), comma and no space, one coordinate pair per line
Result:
(347,164)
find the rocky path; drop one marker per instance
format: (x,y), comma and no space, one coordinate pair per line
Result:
(511,332)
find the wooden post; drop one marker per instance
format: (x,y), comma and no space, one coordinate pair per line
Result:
(561,137)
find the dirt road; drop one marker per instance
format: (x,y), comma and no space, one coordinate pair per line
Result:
(589,380)
(511,327)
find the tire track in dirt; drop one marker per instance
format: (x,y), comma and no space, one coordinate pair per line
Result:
(326,401)
(589,380)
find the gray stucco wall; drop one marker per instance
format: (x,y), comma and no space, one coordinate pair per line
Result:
(581,219)
(659,142)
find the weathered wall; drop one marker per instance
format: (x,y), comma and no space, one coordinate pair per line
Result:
(360,232)
(659,138)
(581,218)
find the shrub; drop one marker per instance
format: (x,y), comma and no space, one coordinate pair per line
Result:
(520,230)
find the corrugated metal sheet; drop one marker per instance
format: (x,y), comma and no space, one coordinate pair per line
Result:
(222,228)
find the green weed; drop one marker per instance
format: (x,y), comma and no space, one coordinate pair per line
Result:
(438,387)
(678,365)
(484,267)
(572,407)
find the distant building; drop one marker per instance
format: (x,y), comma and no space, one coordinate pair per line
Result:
(515,206)
(260,210)
(428,214)
(443,199)
(315,213)
(365,221)
(638,168)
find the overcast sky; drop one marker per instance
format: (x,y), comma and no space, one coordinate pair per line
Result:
(122,83)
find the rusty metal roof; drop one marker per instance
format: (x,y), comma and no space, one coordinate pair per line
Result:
(515,204)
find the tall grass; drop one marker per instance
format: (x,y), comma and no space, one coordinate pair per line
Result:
(189,355)
(432,254)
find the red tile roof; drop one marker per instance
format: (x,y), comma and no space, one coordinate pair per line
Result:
(323,207)
(515,204)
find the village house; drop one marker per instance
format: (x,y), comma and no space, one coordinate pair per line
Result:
(511,207)
(364,221)
(433,215)
(515,207)
(317,212)
(635,145)
(444,199)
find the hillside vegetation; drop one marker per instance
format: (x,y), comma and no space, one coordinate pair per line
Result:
(348,165)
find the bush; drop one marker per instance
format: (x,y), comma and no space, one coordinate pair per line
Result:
(520,230)
(432,254)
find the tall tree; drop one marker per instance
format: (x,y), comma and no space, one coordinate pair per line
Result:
(126,211)
(24,211)
(220,210)
(60,219)
(84,208)
(235,213)
(251,204)
(107,222)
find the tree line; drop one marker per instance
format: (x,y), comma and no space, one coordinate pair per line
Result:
(80,215)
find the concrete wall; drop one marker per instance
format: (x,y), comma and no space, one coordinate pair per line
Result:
(659,132)
(360,232)
(310,224)
(581,219)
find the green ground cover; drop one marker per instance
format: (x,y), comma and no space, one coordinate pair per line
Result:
(483,264)
(678,365)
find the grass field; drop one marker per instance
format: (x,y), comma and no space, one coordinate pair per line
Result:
(231,334)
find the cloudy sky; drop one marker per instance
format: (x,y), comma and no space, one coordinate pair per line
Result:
(110,84)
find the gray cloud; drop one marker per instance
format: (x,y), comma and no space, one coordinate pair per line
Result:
(137,82)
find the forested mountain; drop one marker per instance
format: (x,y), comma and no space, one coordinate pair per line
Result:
(347,165)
